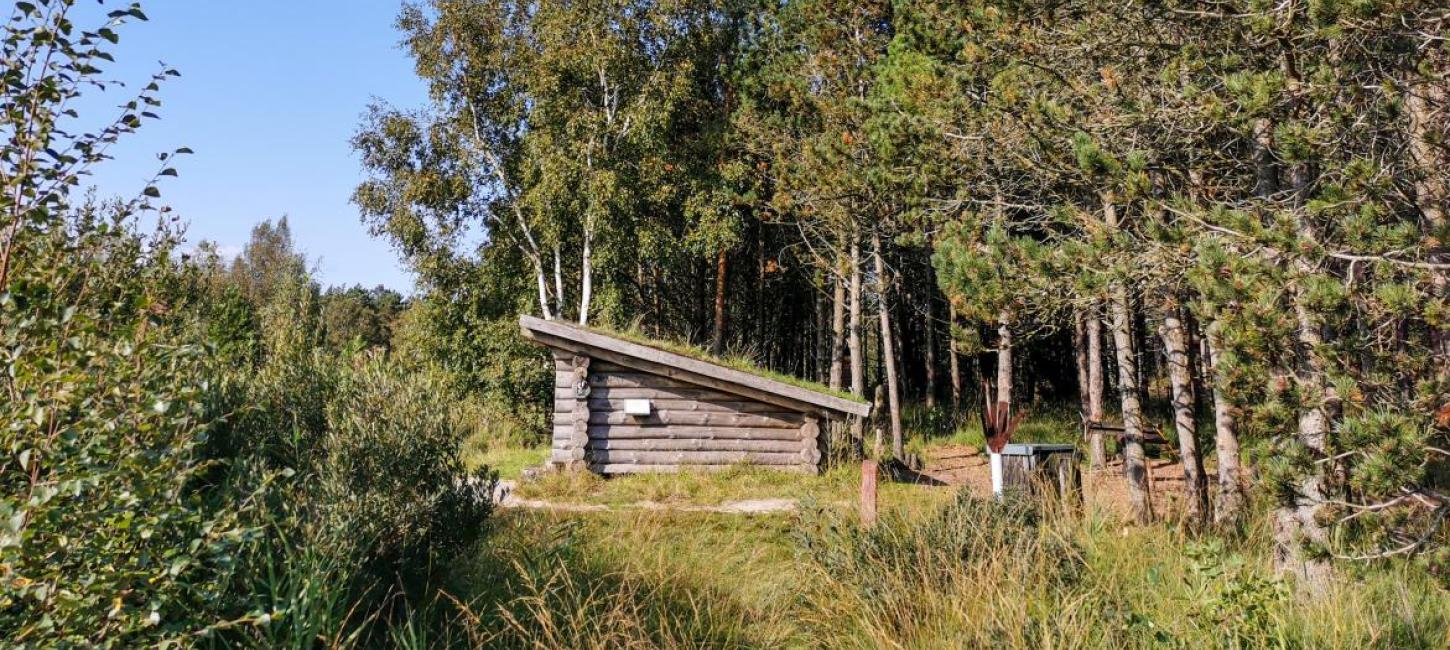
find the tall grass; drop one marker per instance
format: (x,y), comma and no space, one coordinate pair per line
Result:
(967,573)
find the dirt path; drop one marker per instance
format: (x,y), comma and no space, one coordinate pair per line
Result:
(1106,489)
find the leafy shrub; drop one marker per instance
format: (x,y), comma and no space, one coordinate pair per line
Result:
(107,536)
(378,497)
(393,479)
(1239,601)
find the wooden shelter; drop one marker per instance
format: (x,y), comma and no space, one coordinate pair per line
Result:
(622,407)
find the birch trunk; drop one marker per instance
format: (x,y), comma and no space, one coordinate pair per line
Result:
(888,352)
(543,283)
(1231,496)
(1097,453)
(1180,377)
(558,283)
(586,276)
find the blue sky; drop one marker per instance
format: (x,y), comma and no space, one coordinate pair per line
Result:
(270,93)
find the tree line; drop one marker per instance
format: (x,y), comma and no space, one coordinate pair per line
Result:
(1235,210)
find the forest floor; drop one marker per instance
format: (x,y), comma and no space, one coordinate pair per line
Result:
(1105,489)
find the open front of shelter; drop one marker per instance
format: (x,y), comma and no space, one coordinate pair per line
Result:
(624,407)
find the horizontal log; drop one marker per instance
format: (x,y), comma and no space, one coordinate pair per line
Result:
(704,394)
(623,379)
(699,418)
(694,444)
(608,457)
(681,431)
(690,405)
(635,468)
(602,365)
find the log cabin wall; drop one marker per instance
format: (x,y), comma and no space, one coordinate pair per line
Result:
(689,426)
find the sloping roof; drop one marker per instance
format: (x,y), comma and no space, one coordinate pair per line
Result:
(557,334)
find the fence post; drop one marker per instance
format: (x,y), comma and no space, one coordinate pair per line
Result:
(868,493)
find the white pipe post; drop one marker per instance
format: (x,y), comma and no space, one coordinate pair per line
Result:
(996,459)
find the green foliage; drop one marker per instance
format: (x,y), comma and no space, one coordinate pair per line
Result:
(1234,598)
(377,496)
(183,458)
(110,535)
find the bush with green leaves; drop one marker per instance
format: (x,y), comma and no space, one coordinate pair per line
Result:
(106,533)
(173,467)
(378,495)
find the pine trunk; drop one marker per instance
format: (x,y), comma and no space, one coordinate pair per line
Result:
(1231,496)
(1135,468)
(1134,461)
(1296,522)
(1080,363)
(1180,377)
(930,323)
(717,340)
(953,361)
(1423,101)
(888,352)
(838,333)
(853,343)
(1097,453)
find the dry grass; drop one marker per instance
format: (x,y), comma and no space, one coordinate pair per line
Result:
(940,570)
(839,486)
(936,572)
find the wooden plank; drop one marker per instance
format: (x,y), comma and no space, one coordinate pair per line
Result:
(686,406)
(693,444)
(699,418)
(634,468)
(868,493)
(619,431)
(610,457)
(614,350)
